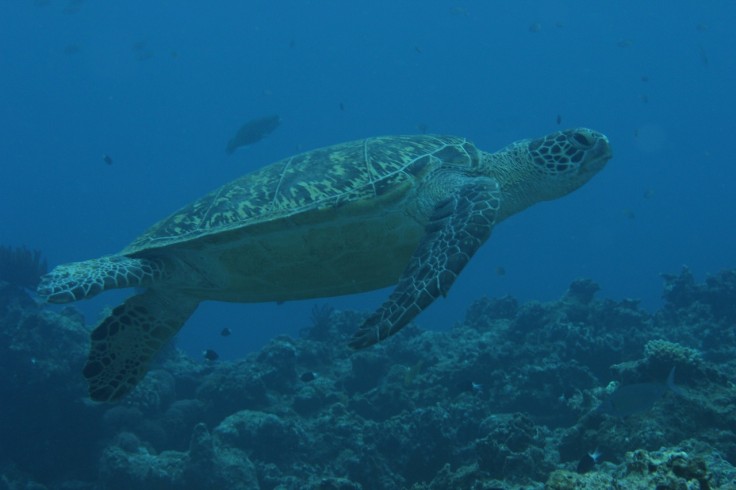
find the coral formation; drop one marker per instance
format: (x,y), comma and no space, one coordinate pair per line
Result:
(21,267)
(506,399)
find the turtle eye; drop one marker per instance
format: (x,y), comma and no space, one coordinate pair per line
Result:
(561,152)
(582,139)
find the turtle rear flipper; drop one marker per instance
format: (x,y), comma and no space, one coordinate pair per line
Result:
(124,344)
(82,280)
(456,230)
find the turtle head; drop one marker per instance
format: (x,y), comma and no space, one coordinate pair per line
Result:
(565,160)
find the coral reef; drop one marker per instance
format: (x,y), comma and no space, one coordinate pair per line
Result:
(506,399)
(21,267)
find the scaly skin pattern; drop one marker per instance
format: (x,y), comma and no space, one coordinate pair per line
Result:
(82,280)
(524,173)
(457,229)
(336,220)
(124,343)
(329,177)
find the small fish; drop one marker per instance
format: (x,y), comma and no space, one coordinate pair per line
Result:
(225,332)
(252,132)
(342,107)
(107,159)
(637,398)
(589,461)
(418,49)
(559,119)
(308,376)
(210,355)
(500,271)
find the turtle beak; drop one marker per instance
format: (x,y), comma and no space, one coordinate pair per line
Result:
(598,155)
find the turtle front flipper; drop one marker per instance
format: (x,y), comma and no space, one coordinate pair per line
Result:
(82,280)
(457,228)
(124,343)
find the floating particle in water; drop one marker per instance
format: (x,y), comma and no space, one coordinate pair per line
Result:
(73,7)
(457,10)
(71,49)
(703,55)
(141,51)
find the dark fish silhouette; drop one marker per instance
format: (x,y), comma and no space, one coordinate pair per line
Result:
(588,461)
(107,159)
(225,332)
(210,355)
(252,132)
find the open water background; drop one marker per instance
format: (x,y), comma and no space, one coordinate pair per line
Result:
(160,87)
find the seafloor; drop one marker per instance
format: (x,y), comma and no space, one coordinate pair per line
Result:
(506,399)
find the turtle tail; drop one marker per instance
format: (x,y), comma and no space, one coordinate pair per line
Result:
(82,280)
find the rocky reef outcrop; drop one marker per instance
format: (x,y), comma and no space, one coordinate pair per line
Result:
(508,398)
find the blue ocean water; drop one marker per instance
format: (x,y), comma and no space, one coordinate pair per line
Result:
(160,87)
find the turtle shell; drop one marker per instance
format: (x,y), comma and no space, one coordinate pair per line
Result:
(330,177)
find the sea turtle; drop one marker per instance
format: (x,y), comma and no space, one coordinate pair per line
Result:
(405,210)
